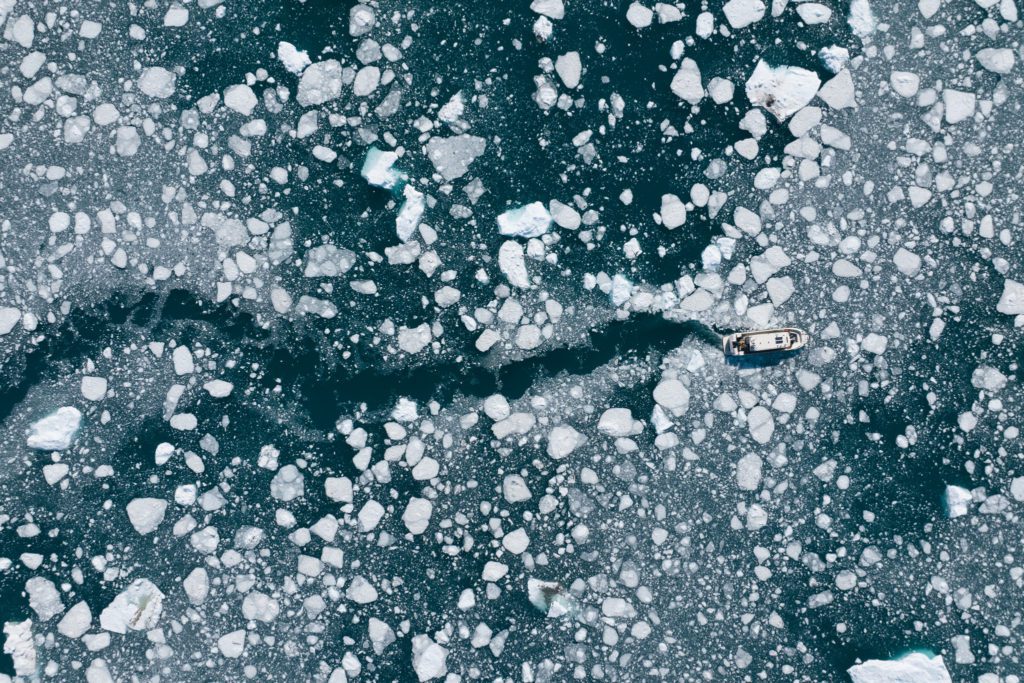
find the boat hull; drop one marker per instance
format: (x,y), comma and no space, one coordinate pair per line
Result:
(764,342)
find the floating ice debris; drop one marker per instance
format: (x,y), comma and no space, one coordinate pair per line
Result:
(417,515)
(157,82)
(93,388)
(569,68)
(686,84)
(861,19)
(640,16)
(958,501)
(76,622)
(288,484)
(9,317)
(452,156)
(410,214)
(834,58)
(997,60)
(240,98)
(914,668)
(43,598)
(361,20)
(320,83)
(328,260)
(782,90)
(56,431)
(378,169)
(21,648)
(137,607)
(531,220)
(673,211)
(512,262)
(550,598)
(293,59)
(554,9)
(1012,300)
(232,644)
(743,13)
(429,660)
(838,91)
(146,514)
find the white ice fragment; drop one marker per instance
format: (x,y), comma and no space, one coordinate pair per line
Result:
(146,514)
(958,501)
(516,541)
(183,361)
(370,515)
(838,91)
(555,9)
(219,388)
(813,13)
(417,515)
(76,622)
(619,422)
(430,660)
(673,211)
(293,59)
(569,68)
(361,20)
(361,591)
(686,84)
(137,607)
(861,19)
(672,395)
(741,13)
(328,260)
(1012,300)
(959,105)
(21,648)
(514,489)
(43,598)
(914,668)
(366,81)
(231,645)
(320,83)
(512,262)
(761,424)
(377,169)
(9,317)
(563,440)
(640,16)
(240,98)
(452,156)
(834,58)
(999,60)
(56,431)
(564,215)
(258,606)
(748,472)
(988,378)
(531,220)
(288,484)
(550,597)
(721,90)
(197,585)
(157,82)
(781,90)
(93,388)
(907,262)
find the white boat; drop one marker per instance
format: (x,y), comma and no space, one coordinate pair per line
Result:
(757,342)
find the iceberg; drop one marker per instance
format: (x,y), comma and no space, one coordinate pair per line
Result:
(914,668)
(56,431)
(137,607)
(531,220)
(782,90)
(378,169)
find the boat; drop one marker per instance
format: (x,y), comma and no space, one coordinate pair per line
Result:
(756,342)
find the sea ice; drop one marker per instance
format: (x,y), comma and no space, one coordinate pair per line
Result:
(56,431)
(378,169)
(531,220)
(146,514)
(742,13)
(240,98)
(958,501)
(1011,302)
(686,84)
(293,59)
(782,90)
(157,82)
(21,648)
(43,598)
(914,668)
(76,621)
(137,607)
(569,68)
(429,660)
(320,83)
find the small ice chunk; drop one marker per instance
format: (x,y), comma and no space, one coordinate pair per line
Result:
(834,58)
(512,262)
(550,597)
(366,81)
(516,541)
(146,514)
(999,60)
(619,422)
(673,211)
(219,388)
(429,660)
(782,90)
(288,484)
(914,668)
(1010,303)
(157,82)
(748,472)
(563,440)
(838,91)
(56,431)
(176,16)
(905,83)
(988,378)
(813,13)
(569,68)
(293,59)
(183,361)
(958,501)
(76,622)
(959,105)
(328,260)
(43,598)
(861,19)
(417,515)
(137,607)
(639,15)
(361,591)
(377,169)
(452,156)
(554,9)
(240,98)
(760,424)
(564,215)
(9,317)
(197,585)
(93,388)
(531,220)
(231,645)
(742,13)
(320,83)
(686,84)
(410,214)
(21,648)
(361,20)
(907,262)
